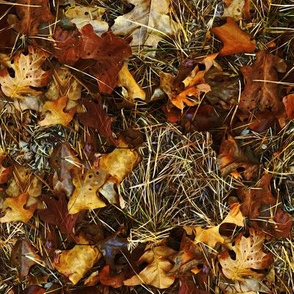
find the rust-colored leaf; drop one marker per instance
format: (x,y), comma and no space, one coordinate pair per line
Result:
(235,40)
(106,279)
(289,105)
(283,224)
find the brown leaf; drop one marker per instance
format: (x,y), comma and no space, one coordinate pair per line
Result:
(108,280)
(23,256)
(289,105)
(283,224)
(261,93)
(235,40)
(15,209)
(31,14)
(188,286)
(5,172)
(34,289)
(249,257)
(97,118)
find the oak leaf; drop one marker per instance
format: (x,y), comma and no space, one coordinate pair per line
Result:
(28,74)
(15,209)
(55,113)
(76,262)
(156,272)
(249,257)
(147,23)
(289,105)
(235,40)
(31,14)
(261,93)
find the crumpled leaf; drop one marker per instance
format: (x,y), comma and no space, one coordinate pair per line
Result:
(249,257)
(57,214)
(23,257)
(15,209)
(232,160)
(85,195)
(235,40)
(289,105)
(259,95)
(28,74)
(131,90)
(55,113)
(76,262)
(237,9)
(147,23)
(83,15)
(5,172)
(156,272)
(31,13)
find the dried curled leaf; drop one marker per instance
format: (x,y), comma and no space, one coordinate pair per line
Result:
(235,40)
(28,74)
(15,209)
(156,272)
(249,257)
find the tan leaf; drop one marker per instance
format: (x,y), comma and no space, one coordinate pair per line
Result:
(76,262)
(249,257)
(55,113)
(148,23)
(28,74)
(156,272)
(131,90)
(237,9)
(15,209)
(85,195)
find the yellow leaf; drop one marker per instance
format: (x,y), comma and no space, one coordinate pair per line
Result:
(56,114)
(28,74)
(156,272)
(15,209)
(85,195)
(76,262)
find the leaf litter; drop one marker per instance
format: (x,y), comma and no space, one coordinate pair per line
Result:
(146,146)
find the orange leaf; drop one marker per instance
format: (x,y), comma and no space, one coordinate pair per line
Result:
(235,40)
(289,105)
(108,280)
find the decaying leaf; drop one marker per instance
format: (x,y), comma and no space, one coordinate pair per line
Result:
(131,90)
(83,15)
(289,105)
(28,74)
(5,172)
(250,257)
(237,9)
(235,40)
(15,209)
(55,113)
(75,263)
(147,23)
(31,13)
(156,272)
(261,93)
(233,160)
(23,257)
(85,195)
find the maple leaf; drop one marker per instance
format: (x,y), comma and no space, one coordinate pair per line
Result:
(28,74)
(97,118)
(156,272)
(55,113)
(57,214)
(249,257)
(289,105)
(31,14)
(147,23)
(85,195)
(5,172)
(23,257)
(261,93)
(235,40)
(76,262)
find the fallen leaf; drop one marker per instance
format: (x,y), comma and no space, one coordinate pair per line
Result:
(30,13)
(34,289)
(85,195)
(235,40)
(57,214)
(237,9)
(28,74)
(261,93)
(232,160)
(148,23)
(15,209)
(131,90)
(156,272)
(106,279)
(188,286)
(23,257)
(5,172)
(289,105)
(249,257)
(76,262)
(282,224)
(55,113)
